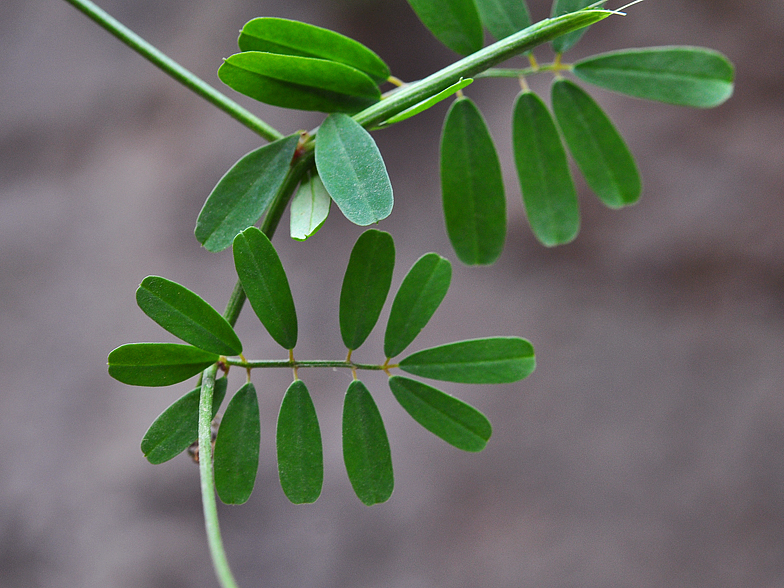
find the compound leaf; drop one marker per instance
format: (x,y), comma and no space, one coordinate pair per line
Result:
(365,285)
(597,147)
(688,76)
(236,456)
(301,83)
(366,450)
(157,364)
(545,181)
(495,360)
(560,7)
(422,290)
(290,37)
(185,315)
(309,207)
(300,456)
(176,428)
(264,281)
(350,165)
(244,193)
(453,22)
(453,420)
(503,17)
(472,186)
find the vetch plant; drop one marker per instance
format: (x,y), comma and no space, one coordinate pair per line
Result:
(304,67)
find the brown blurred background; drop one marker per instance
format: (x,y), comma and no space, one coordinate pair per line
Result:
(647,450)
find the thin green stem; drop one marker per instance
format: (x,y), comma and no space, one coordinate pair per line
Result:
(232,312)
(495,72)
(175,70)
(314,363)
(475,63)
(207,476)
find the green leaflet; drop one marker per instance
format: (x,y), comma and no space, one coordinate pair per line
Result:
(688,76)
(176,428)
(503,17)
(236,458)
(365,285)
(264,281)
(545,181)
(350,165)
(495,360)
(309,207)
(157,364)
(429,103)
(244,193)
(290,37)
(453,22)
(597,147)
(565,42)
(453,420)
(472,186)
(302,83)
(420,294)
(185,315)
(366,450)
(298,439)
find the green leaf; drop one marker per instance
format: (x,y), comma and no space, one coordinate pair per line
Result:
(157,364)
(453,22)
(688,76)
(309,207)
(290,37)
(244,193)
(176,428)
(422,290)
(300,457)
(472,186)
(366,447)
(503,17)
(430,102)
(453,420)
(365,285)
(264,281)
(565,42)
(545,181)
(597,147)
(186,315)
(302,83)
(236,456)
(350,165)
(496,360)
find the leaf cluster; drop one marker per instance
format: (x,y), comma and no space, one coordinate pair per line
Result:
(366,285)
(301,66)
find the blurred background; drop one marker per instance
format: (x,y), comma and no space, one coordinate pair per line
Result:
(647,449)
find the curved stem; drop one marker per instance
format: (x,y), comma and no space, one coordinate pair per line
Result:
(207,477)
(175,70)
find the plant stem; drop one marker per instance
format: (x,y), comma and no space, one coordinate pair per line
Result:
(314,363)
(495,72)
(483,59)
(232,313)
(175,70)
(207,477)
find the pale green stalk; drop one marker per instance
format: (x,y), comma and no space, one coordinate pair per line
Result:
(207,477)
(175,70)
